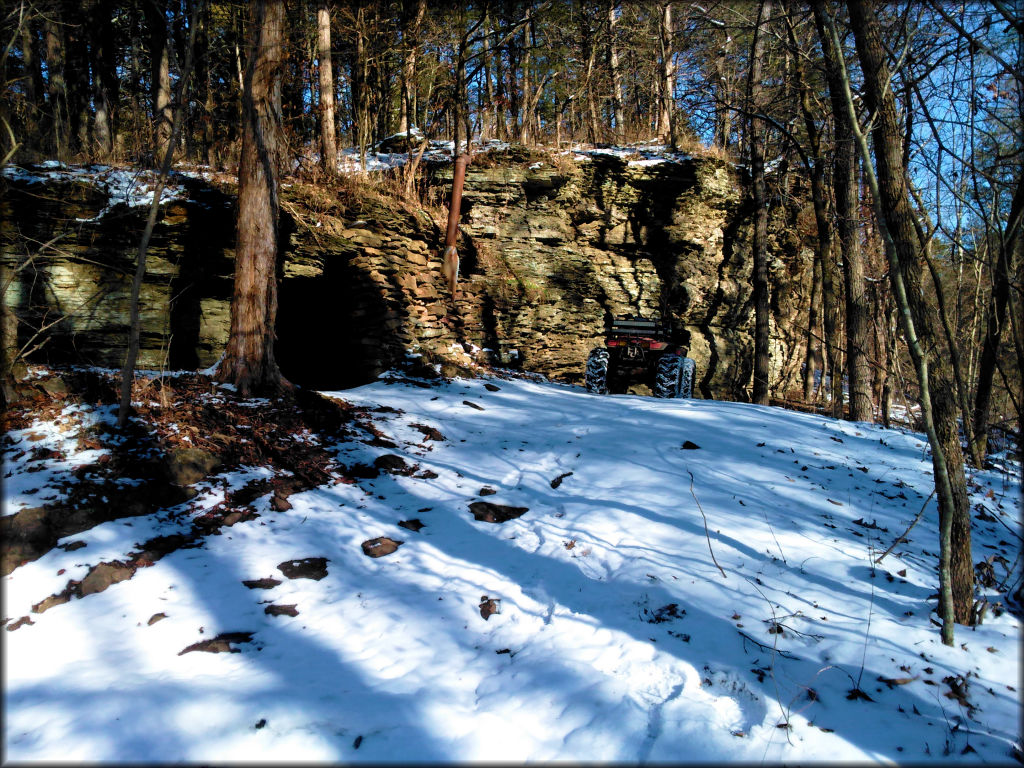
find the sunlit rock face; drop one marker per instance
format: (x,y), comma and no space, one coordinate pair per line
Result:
(548,254)
(69,257)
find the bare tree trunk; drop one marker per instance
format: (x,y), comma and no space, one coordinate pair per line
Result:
(997,317)
(360,89)
(844,184)
(205,95)
(410,41)
(104,75)
(33,80)
(328,139)
(510,87)
(460,97)
(666,123)
(616,72)
(498,97)
(813,356)
(885,346)
(723,112)
(759,246)
(12,365)
(57,87)
(161,82)
(858,370)
(593,122)
(525,123)
(977,458)
(488,92)
(249,361)
(938,401)
(824,225)
(76,75)
(132,352)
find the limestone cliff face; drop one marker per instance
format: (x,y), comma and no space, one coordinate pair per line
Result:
(67,272)
(560,250)
(548,254)
(607,238)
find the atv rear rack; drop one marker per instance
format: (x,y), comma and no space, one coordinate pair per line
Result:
(636,326)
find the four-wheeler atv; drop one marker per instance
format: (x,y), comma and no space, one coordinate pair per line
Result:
(635,350)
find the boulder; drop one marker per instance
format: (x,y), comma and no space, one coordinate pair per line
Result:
(187,465)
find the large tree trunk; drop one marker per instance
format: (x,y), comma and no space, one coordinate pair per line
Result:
(104,76)
(844,184)
(947,457)
(249,361)
(57,87)
(858,369)
(33,81)
(12,365)
(76,74)
(156,19)
(846,192)
(328,139)
(755,130)
(616,72)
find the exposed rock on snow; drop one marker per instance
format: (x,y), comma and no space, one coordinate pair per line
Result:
(486,512)
(223,643)
(380,546)
(305,568)
(265,583)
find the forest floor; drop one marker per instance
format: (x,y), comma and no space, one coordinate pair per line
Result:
(498,568)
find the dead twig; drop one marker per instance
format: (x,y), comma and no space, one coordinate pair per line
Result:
(772,530)
(763,647)
(706,534)
(903,536)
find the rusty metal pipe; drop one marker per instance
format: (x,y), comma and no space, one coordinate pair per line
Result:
(458,181)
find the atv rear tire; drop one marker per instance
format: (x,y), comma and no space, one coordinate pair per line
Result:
(675,376)
(597,371)
(688,376)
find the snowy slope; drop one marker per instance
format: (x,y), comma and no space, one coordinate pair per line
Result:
(617,638)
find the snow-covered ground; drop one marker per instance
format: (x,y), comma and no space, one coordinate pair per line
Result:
(439,151)
(690,581)
(122,186)
(135,187)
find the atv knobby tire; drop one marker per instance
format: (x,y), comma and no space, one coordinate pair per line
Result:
(597,371)
(688,377)
(674,377)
